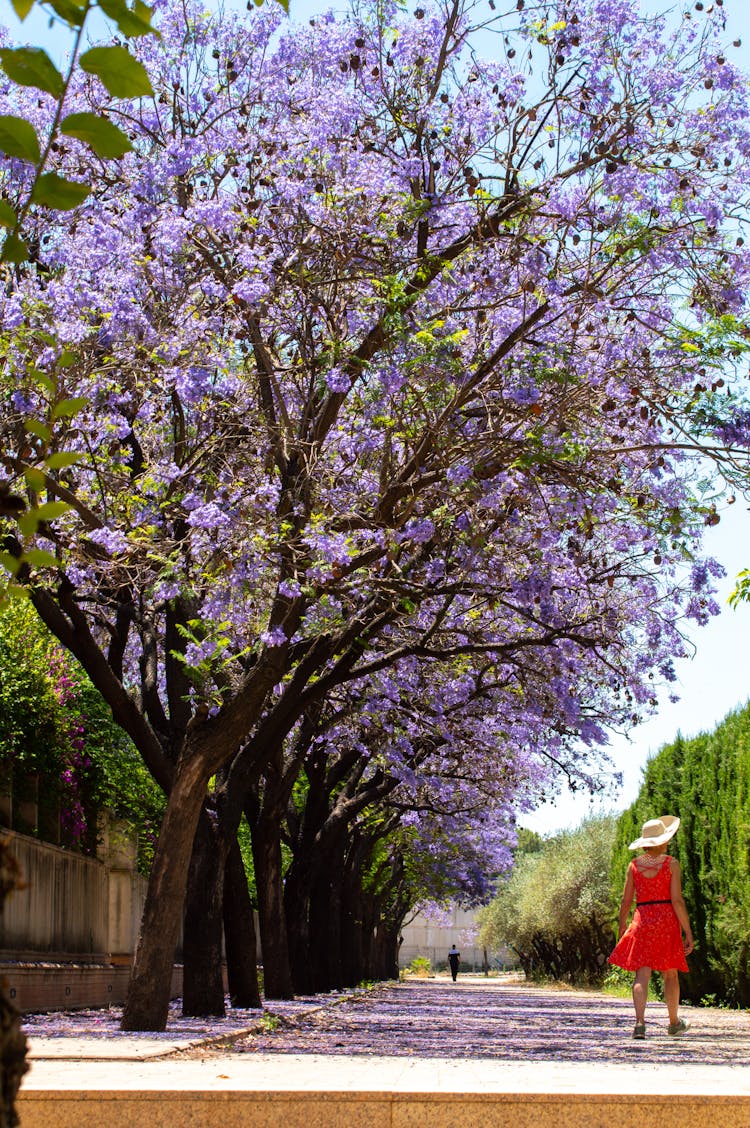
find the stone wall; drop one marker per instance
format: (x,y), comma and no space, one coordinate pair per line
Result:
(67,939)
(431,940)
(61,909)
(73,907)
(47,987)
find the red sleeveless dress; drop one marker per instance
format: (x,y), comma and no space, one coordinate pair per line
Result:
(653,937)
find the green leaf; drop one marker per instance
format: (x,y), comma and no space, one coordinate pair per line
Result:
(10,563)
(99,133)
(123,76)
(130,21)
(62,458)
(69,406)
(36,427)
(31,66)
(55,191)
(22,8)
(44,378)
(50,510)
(14,249)
(8,217)
(69,10)
(18,138)
(40,558)
(35,478)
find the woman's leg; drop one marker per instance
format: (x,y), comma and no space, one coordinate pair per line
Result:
(671,993)
(640,993)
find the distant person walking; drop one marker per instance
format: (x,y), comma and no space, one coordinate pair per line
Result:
(454,957)
(653,940)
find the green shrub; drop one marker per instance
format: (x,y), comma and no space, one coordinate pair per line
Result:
(59,745)
(554,911)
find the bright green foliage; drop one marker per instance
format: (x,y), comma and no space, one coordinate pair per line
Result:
(132,21)
(8,216)
(29,710)
(706,781)
(55,727)
(105,138)
(32,66)
(554,910)
(122,75)
(18,139)
(55,191)
(741,591)
(120,782)
(421,966)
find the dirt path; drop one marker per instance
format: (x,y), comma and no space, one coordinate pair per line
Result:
(478,1018)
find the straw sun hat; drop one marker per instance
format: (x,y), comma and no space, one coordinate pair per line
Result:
(656,832)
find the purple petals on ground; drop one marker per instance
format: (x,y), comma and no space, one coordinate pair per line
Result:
(503,1021)
(105,1022)
(500,1019)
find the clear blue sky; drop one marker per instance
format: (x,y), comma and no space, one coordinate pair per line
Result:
(711,684)
(717,679)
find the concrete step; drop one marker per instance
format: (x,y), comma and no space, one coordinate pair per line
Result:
(169,1109)
(312,1091)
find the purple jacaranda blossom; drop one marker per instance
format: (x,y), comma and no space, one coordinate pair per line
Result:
(290,588)
(112,540)
(208,516)
(337,380)
(419,531)
(273,637)
(197,652)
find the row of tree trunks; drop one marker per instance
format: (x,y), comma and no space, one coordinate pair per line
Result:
(267,858)
(239,933)
(320,928)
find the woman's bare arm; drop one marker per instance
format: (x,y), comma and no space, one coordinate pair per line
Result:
(627,900)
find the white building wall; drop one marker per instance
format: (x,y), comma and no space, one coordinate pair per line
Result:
(422,937)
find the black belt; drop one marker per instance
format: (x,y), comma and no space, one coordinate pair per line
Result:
(668,901)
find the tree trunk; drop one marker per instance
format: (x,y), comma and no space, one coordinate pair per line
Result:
(297,912)
(320,922)
(13,1045)
(389,965)
(13,1063)
(356,925)
(333,934)
(203,988)
(277,975)
(239,933)
(147,1004)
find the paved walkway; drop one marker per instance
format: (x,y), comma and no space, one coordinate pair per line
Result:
(479,1019)
(423,1054)
(429,1033)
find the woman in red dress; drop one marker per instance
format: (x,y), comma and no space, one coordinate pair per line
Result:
(653,941)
